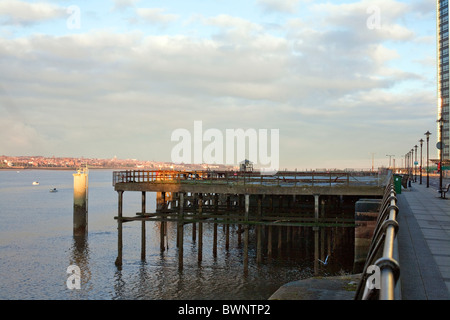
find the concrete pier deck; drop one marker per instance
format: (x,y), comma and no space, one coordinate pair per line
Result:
(424,243)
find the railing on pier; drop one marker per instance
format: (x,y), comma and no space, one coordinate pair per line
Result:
(380,259)
(282,178)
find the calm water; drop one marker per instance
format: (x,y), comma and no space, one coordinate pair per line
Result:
(37,246)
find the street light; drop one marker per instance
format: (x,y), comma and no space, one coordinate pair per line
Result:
(428,133)
(415,164)
(420,168)
(413,173)
(441,148)
(390,155)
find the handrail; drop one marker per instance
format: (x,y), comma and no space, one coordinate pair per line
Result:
(381,253)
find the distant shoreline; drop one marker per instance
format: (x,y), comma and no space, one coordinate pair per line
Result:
(67,168)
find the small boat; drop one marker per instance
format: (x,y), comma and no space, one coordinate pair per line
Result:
(35,183)
(53,190)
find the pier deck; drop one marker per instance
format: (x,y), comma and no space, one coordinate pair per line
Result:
(230,182)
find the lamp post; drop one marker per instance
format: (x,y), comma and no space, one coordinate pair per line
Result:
(390,155)
(428,133)
(409,168)
(415,164)
(420,168)
(413,173)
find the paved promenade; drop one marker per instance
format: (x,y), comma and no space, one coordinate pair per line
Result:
(424,242)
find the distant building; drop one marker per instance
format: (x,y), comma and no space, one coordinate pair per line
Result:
(443,74)
(246,166)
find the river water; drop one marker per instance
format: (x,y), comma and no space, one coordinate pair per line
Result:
(37,246)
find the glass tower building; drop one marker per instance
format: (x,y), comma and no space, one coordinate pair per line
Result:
(443,73)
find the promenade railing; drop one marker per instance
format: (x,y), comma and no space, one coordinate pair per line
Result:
(381,271)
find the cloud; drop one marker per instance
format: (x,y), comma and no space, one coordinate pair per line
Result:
(123,4)
(155,16)
(15,12)
(359,17)
(285,6)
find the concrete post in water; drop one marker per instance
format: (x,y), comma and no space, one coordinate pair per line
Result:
(80,202)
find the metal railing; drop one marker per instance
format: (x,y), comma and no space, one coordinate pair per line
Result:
(381,271)
(283,178)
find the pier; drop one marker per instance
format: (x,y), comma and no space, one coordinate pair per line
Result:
(276,206)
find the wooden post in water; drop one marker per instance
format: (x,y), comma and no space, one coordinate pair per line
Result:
(80,199)
(316,250)
(194,224)
(119,229)
(279,238)
(269,241)
(259,233)
(216,210)
(200,228)
(247,204)
(316,206)
(180,229)
(162,224)
(143,227)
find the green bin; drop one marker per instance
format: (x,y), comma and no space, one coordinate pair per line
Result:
(398,183)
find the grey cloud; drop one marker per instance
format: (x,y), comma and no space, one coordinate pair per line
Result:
(15,12)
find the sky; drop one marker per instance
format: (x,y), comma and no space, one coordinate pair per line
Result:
(345,83)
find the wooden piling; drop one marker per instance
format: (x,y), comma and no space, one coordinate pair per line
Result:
(316,250)
(216,210)
(162,224)
(316,206)
(119,229)
(180,229)
(200,228)
(259,233)
(247,204)
(269,242)
(143,227)
(194,225)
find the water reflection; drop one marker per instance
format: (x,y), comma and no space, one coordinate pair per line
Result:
(80,257)
(295,254)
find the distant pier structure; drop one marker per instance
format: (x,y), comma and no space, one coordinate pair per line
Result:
(275,206)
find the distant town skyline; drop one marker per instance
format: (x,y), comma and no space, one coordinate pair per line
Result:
(345,82)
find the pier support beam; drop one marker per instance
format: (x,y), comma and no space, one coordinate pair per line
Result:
(316,250)
(180,230)
(316,206)
(143,227)
(247,204)
(216,210)
(119,229)
(259,233)
(200,228)
(162,224)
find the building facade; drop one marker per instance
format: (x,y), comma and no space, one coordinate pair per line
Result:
(443,73)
